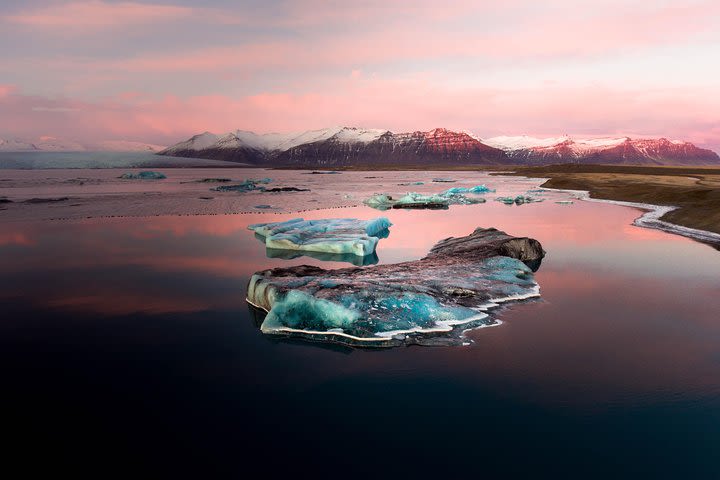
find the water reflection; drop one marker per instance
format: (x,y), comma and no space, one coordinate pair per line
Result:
(609,309)
(356,260)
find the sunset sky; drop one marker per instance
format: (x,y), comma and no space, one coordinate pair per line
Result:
(159,72)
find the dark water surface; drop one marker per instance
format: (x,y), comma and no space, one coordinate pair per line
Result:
(126,346)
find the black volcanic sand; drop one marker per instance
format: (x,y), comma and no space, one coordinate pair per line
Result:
(695,190)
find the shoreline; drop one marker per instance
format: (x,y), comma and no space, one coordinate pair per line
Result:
(651,218)
(684,200)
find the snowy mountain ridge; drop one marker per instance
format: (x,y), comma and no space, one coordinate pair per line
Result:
(347,146)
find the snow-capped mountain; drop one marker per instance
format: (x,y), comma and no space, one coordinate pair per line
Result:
(53,144)
(125,146)
(347,146)
(620,150)
(341,146)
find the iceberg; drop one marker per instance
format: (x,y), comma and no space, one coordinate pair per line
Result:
(443,200)
(247,186)
(380,201)
(148,175)
(334,236)
(475,189)
(418,200)
(453,288)
(519,200)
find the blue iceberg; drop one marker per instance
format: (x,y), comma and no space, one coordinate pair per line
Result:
(519,200)
(457,284)
(475,189)
(443,200)
(346,236)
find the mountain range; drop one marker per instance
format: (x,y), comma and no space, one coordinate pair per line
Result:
(350,146)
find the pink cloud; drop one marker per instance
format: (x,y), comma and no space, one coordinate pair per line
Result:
(398,105)
(6,90)
(539,37)
(97,14)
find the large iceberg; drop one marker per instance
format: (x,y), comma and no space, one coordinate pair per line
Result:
(342,236)
(411,302)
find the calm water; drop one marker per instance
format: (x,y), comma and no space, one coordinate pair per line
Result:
(127,345)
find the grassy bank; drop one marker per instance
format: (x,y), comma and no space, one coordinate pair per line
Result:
(695,190)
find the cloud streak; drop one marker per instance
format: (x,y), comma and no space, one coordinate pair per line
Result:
(97,15)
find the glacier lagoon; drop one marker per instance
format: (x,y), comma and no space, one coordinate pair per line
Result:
(112,325)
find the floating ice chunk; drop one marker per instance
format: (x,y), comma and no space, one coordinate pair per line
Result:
(410,184)
(519,200)
(336,236)
(475,189)
(442,200)
(143,176)
(385,305)
(443,180)
(247,186)
(564,202)
(419,200)
(380,201)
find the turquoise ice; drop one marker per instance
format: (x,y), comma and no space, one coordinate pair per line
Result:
(333,236)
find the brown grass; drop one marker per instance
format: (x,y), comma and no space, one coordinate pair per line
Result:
(695,190)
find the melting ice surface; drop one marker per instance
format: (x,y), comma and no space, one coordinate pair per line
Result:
(340,236)
(400,303)
(388,306)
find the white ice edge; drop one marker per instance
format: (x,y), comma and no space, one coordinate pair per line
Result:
(441,326)
(651,217)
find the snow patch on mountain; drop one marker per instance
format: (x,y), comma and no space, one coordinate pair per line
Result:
(276,142)
(521,142)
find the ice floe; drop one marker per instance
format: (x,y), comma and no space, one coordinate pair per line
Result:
(333,236)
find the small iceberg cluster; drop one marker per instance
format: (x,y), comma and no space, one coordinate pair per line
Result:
(143,176)
(399,304)
(343,236)
(247,186)
(519,200)
(475,189)
(442,200)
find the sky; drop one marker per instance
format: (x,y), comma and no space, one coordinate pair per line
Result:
(160,71)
